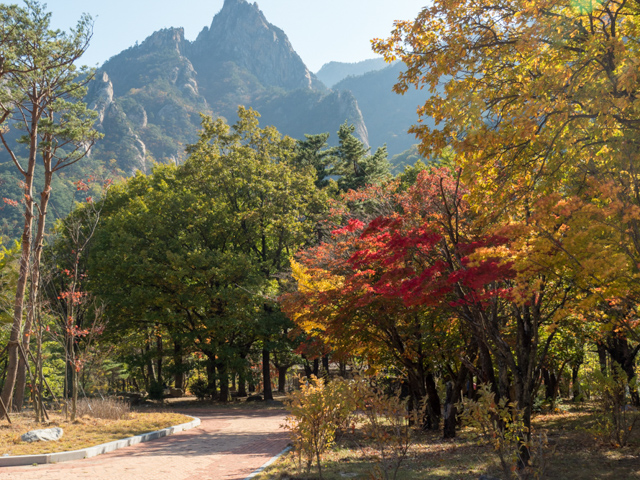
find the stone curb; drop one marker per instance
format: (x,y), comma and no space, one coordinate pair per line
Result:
(263,467)
(89,452)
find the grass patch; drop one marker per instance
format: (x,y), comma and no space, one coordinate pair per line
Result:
(85,432)
(576,455)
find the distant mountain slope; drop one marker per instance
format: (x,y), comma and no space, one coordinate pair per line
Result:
(404,159)
(332,72)
(149,96)
(387,115)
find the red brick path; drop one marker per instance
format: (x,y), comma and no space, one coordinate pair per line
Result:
(228,445)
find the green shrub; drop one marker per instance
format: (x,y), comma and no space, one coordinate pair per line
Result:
(156,391)
(200,388)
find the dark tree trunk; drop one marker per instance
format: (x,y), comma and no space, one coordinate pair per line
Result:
(211,375)
(325,366)
(242,383)
(488,375)
(178,376)
(550,385)
(316,368)
(266,375)
(159,359)
(625,356)
(417,393)
(503,380)
(602,358)
(454,393)
(449,430)
(575,384)
(69,380)
(145,380)
(282,378)
(151,374)
(223,375)
(433,402)
(307,369)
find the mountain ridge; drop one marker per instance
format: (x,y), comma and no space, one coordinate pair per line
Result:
(333,72)
(150,100)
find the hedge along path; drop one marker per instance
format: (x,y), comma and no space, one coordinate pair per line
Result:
(229,444)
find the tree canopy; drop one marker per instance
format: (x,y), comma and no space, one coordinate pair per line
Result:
(198,248)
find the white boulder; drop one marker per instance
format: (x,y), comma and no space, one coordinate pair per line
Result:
(45,435)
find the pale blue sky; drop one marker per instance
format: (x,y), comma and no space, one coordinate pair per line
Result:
(319,30)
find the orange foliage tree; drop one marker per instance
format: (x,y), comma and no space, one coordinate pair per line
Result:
(538,100)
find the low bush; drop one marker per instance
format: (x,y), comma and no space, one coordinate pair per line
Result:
(321,409)
(617,418)
(386,428)
(317,411)
(156,391)
(501,425)
(200,388)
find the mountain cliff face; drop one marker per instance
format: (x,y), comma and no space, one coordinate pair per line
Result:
(149,97)
(387,115)
(241,34)
(148,103)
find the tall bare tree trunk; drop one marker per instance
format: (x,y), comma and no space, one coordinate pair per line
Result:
(45,195)
(14,337)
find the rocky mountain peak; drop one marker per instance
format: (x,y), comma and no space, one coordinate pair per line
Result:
(167,38)
(240,33)
(149,97)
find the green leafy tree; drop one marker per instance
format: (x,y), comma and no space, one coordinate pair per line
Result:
(313,151)
(199,248)
(354,165)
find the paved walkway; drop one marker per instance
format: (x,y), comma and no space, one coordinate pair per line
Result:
(228,445)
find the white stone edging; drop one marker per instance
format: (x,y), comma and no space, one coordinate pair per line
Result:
(16,460)
(263,467)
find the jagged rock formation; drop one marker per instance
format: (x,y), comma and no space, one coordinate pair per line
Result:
(241,34)
(148,103)
(149,97)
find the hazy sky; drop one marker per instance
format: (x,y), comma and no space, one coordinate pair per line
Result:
(319,30)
